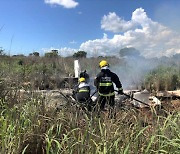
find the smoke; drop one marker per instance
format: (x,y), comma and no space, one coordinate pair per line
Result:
(133,72)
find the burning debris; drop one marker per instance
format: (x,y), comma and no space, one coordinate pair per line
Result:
(169,95)
(146,97)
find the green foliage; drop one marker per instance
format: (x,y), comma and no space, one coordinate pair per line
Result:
(39,71)
(52,54)
(80,54)
(43,70)
(20,62)
(163,78)
(129,52)
(2,52)
(36,54)
(28,127)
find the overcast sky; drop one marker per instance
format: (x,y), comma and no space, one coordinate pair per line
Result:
(99,27)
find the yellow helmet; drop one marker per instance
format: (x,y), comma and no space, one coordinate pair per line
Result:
(103,63)
(82,79)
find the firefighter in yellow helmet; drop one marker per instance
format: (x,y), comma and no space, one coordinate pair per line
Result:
(82,93)
(104,84)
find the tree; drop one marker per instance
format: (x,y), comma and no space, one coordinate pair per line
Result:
(129,52)
(80,54)
(2,51)
(53,53)
(19,55)
(36,54)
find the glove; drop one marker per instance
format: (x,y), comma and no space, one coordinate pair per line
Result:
(120,91)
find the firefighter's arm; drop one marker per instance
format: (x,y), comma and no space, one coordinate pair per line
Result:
(118,84)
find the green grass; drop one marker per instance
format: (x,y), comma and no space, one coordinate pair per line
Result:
(163,78)
(29,128)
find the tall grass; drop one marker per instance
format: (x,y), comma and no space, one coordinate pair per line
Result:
(163,78)
(29,128)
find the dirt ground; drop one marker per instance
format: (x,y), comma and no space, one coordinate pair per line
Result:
(175,92)
(170,100)
(59,98)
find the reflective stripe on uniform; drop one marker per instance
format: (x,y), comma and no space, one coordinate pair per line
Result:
(83,90)
(105,84)
(110,94)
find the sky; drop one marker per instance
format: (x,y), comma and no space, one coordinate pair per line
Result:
(98,27)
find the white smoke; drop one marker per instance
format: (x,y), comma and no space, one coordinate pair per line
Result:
(132,72)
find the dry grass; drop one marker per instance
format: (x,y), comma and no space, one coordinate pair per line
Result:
(27,126)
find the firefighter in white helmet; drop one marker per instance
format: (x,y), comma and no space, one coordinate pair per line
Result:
(104,84)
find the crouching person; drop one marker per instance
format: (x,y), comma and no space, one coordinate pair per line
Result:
(82,93)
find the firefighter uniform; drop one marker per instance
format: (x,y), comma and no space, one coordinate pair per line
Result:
(82,93)
(104,83)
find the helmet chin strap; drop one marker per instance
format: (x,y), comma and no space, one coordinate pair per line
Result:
(105,67)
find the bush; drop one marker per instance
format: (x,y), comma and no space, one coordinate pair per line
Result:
(163,78)
(80,54)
